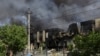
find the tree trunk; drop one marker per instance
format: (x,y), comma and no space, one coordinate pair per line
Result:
(11,53)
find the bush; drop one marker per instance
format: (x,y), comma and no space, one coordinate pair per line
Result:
(87,45)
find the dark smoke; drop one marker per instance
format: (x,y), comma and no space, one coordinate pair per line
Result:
(49,13)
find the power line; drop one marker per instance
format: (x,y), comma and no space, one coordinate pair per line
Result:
(79,12)
(84,7)
(83,11)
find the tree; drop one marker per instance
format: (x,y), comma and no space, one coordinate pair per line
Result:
(14,37)
(2,48)
(87,45)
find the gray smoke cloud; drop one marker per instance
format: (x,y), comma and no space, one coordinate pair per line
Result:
(49,13)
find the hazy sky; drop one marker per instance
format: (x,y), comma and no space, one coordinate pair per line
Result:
(47,13)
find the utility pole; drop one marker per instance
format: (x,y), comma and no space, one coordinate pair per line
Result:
(46,43)
(29,12)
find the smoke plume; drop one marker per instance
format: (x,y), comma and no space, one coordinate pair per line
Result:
(49,13)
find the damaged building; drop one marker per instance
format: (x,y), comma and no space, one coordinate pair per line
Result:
(57,38)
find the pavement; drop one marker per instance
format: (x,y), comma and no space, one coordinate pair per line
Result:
(44,53)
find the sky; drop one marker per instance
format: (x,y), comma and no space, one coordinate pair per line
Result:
(49,13)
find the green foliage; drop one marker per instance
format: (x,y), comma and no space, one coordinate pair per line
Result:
(87,45)
(14,37)
(2,54)
(70,47)
(2,48)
